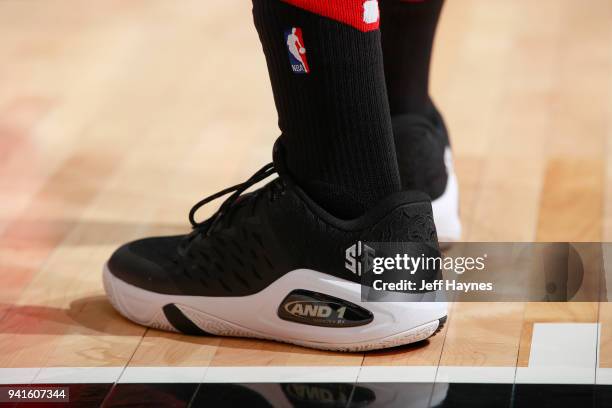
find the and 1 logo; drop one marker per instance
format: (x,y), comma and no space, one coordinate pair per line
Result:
(318,309)
(312,309)
(297,50)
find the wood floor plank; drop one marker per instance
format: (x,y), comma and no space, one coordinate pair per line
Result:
(605,308)
(506,177)
(246,352)
(67,335)
(571,207)
(572,200)
(483,334)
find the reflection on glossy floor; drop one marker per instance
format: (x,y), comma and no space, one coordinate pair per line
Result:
(116,116)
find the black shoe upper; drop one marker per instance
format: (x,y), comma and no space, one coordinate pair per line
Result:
(256,238)
(420,143)
(438,122)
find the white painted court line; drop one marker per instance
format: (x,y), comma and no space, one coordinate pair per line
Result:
(163,375)
(561,353)
(604,376)
(282,374)
(85,375)
(413,374)
(72,375)
(18,375)
(489,375)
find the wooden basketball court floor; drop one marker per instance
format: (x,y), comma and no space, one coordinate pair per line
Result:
(115,117)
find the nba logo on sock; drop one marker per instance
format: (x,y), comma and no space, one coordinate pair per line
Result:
(297,50)
(370,11)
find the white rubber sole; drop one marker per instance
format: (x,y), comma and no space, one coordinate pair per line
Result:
(446,207)
(394,323)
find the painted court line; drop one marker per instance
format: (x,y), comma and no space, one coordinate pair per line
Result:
(347,374)
(72,375)
(561,353)
(489,375)
(411,374)
(18,375)
(604,376)
(282,374)
(163,375)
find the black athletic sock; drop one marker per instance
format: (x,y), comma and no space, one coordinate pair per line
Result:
(326,69)
(408,29)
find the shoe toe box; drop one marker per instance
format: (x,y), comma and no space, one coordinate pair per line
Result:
(147,263)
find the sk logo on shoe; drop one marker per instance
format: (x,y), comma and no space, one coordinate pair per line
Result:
(297,50)
(358,258)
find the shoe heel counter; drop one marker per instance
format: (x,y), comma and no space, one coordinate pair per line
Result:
(410,222)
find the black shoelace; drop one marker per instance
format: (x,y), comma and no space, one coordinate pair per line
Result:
(204,227)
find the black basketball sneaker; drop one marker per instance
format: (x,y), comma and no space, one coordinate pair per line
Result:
(426,164)
(272,264)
